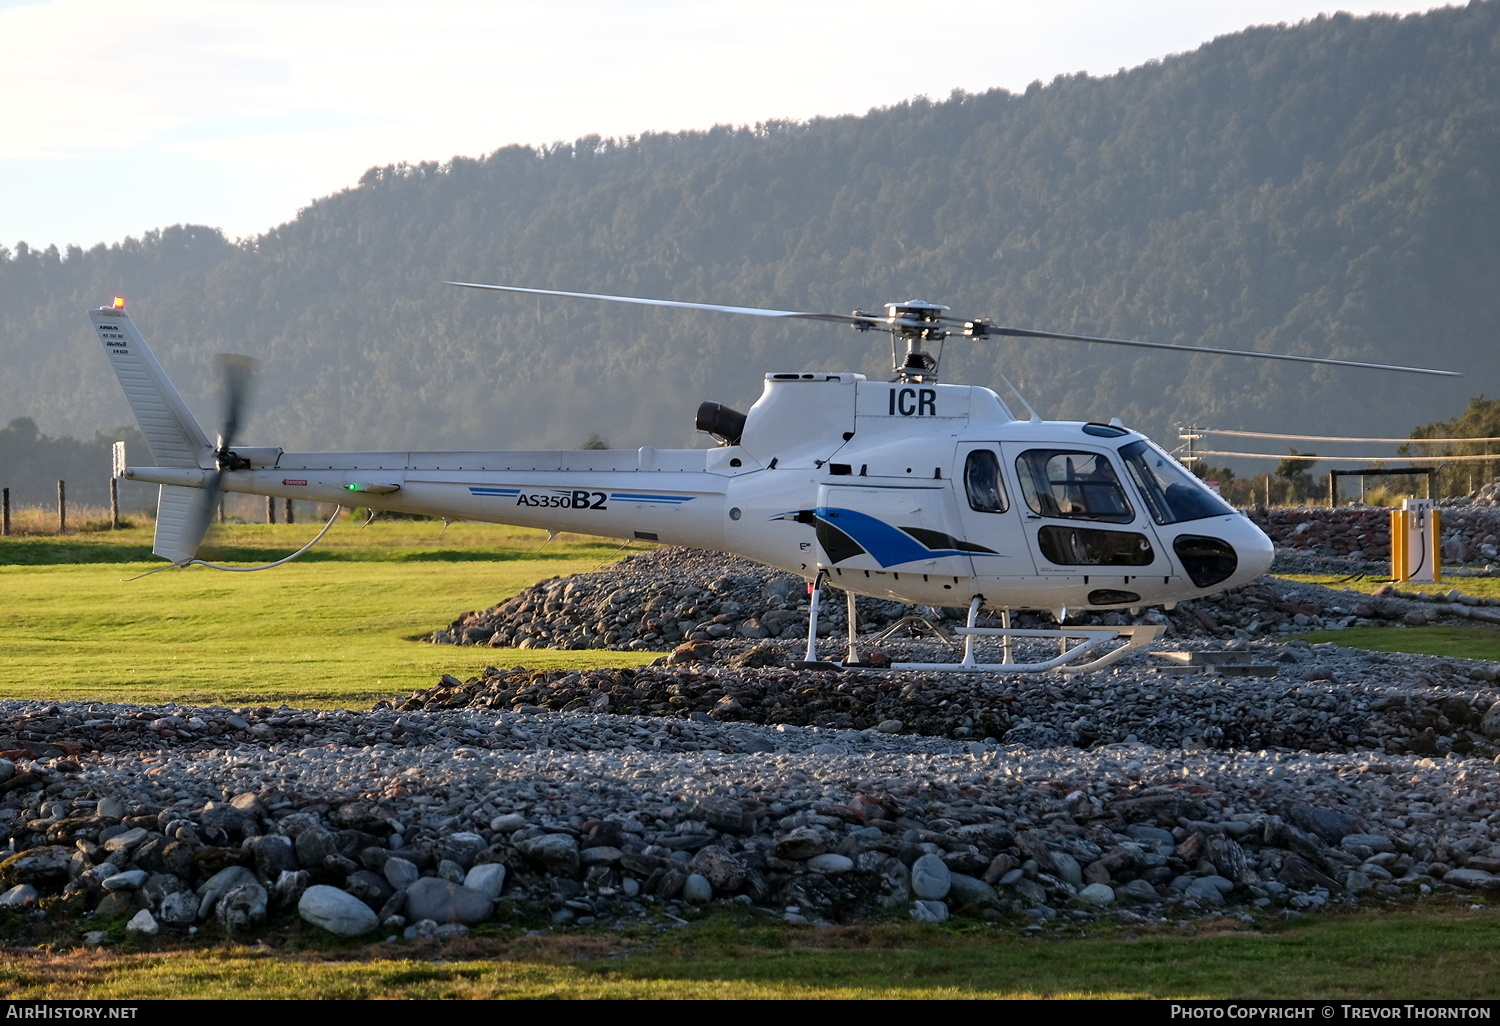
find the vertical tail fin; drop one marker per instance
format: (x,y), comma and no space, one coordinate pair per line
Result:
(174,436)
(181,522)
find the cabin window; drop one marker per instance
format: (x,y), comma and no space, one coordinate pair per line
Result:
(1073,485)
(1064,545)
(1172,495)
(982,482)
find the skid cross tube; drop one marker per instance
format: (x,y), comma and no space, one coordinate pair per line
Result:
(1090,640)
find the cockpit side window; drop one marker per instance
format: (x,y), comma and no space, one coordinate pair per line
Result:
(1072,485)
(982,482)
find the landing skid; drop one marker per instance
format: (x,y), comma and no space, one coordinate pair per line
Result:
(1092,648)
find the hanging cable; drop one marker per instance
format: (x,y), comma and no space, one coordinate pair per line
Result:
(267,566)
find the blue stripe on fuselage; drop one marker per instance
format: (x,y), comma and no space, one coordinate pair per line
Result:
(890,546)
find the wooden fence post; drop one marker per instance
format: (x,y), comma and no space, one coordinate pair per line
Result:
(62,508)
(114,503)
(270,510)
(289,512)
(5,512)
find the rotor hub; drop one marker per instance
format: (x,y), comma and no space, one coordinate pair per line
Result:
(917,319)
(917,322)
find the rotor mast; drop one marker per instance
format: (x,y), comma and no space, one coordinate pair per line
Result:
(916,323)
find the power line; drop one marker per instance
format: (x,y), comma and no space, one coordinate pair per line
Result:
(1335,459)
(1335,438)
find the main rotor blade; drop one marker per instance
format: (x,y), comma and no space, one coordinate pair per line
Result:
(984,328)
(751,310)
(1029,333)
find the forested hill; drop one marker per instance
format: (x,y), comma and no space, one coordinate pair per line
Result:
(1331,188)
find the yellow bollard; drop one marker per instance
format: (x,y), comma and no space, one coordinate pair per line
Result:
(1437,544)
(1398,545)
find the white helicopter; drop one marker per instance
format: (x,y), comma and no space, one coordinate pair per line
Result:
(907,489)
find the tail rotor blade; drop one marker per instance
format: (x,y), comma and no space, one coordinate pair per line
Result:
(199,516)
(238,373)
(239,377)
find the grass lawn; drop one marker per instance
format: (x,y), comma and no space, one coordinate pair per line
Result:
(1470,640)
(78,621)
(1484,587)
(1448,954)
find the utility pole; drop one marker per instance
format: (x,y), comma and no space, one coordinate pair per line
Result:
(1189,436)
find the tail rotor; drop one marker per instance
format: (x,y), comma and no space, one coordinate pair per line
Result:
(238,376)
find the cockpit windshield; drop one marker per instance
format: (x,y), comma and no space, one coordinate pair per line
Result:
(1171,493)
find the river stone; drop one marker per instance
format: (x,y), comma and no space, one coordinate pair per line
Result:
(724,872)
(235,824)
(217,885)
(1297,872)
(1097,894)
(336,911)
(966,891)
(129,880)
(179,908)
(41,867)
(1136,890)
(1205,889)
(555,853)
(1375,842)
(247,801)
(313,846)
(461,848)
(931,879)
(924,911)
(1329,825)
(401,872)
(1471,879)
(1490,725)
(369,887)
(600,855)
(830,862)
(116,904)
(290,886)
(1228,858)
(444,902)
(1030,891)
(273,855)
(395,907)
(1150,834)
(696,889)
(20,894)
(143,922)
(241,907)
(1068,869)
(800,844)
(126,841)
(295,823)
(488,879)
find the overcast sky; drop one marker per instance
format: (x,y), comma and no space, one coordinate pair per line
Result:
(116,118)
